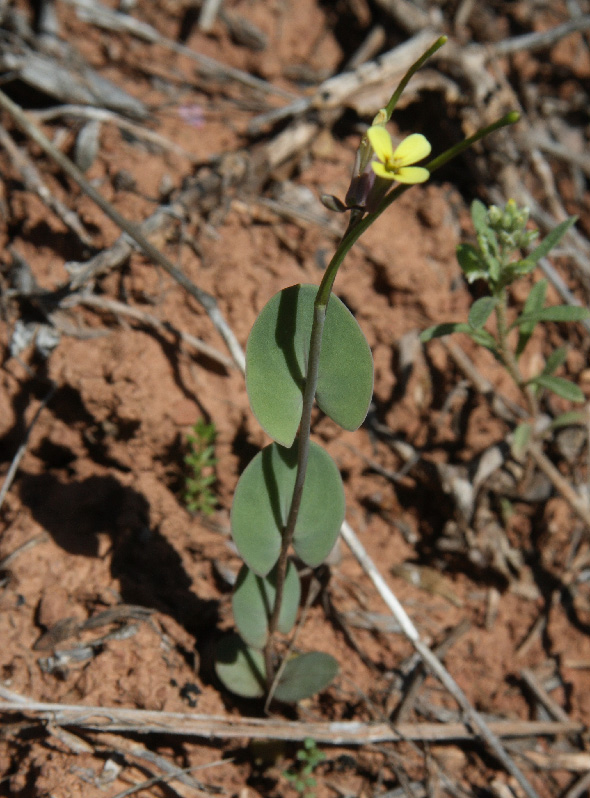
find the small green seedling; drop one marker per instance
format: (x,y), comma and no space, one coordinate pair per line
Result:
(201,462)
(307,347)
(302,779)
(497,260)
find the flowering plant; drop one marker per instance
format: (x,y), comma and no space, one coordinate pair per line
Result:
(306,347)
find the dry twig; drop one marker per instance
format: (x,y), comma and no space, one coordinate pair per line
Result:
(134,231)
(213,727)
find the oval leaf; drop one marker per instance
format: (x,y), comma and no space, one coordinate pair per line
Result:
(262,500)
(305,675)
(253,602)
(481,310)
(240,668)
(276,358)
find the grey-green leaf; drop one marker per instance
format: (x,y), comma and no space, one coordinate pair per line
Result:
(305,675)
(551,239)
(534,303)
(560,386)
(276,358)
(553,313)
(253,602)
(481,311)
(240,668)
(440,330)
(262,500)
(555,360)
(471,262)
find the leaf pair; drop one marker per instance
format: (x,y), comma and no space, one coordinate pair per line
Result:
(276,364)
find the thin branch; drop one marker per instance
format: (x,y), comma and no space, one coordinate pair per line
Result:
(205,299)
(33,182)
(102,16)
(104,115)
(215,727)
(474,719)
(541,40)
(23,447)
(120,308)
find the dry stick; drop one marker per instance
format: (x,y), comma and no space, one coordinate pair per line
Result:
(542,695)
(205,299)
(23,447)
(215,727)
(580,788)
(473,718)
(209,11)
(485,387)
(120,308)
(542,40)
(33,182)
(103,115)
(104,17)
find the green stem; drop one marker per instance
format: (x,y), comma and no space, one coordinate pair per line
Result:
(507,355)
(304,437)
(389,108)
(357,226)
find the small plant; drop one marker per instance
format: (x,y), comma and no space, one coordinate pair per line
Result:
(309,757)
(200,461)
(306,347)
(498,261)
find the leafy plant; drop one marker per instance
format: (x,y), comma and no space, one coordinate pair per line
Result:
(201,462)
(497,260)
(309,757)
(306,347)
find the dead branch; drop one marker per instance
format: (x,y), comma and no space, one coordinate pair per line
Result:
(134,231)
(103,115)
(474,719)
(98,14)
(539,40)
(121,309)
(33,182)
(214,727)
(16,460)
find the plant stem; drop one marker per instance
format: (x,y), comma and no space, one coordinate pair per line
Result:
(357,226)
(507,355)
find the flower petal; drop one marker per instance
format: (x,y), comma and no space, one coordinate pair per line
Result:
(411,174)
(380,142)
(382,171)
(412,149)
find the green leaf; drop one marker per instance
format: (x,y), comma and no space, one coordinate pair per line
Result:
(481,337)
(479,215)
(438,331)
(276,358)
(520,441)
(240,668)
(551,239)
(262,500)
(572,418)
(553,313)
(560,386)
(253,602)
(305,675)
(534,303)
(481,310)
(471,263)
(555,360)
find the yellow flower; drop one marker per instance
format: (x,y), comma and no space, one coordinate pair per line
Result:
(396,164)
